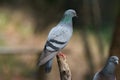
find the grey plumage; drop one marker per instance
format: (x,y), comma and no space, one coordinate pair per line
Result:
(58,38)
(108,72)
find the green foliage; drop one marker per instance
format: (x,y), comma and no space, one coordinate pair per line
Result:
(2,42)
(4,19)
(24,30)
(105,31)
(11,66)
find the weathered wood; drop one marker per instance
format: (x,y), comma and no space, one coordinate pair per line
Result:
(65,73)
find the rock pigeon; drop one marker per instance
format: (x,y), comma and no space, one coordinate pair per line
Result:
(58,38)
(108,72)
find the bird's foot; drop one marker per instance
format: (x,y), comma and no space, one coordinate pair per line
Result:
(60,54)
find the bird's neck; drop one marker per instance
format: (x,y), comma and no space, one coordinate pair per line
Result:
(66,20)
(109,69)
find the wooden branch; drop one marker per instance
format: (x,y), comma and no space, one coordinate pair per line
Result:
(65,73)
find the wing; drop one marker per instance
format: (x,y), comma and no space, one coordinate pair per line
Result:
(97,77)
(58,38)
(60,32)
(46,56)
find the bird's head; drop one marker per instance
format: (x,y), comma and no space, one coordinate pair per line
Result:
(70,12)
(114,59)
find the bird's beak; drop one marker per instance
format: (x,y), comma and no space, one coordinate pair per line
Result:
(117,62)
(76,15)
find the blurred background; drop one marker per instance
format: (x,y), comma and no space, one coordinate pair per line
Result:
(25,24)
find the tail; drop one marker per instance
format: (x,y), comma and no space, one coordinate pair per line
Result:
(46,59)
(40,58)
(48,66)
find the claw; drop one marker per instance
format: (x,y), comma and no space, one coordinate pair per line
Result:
(60,54)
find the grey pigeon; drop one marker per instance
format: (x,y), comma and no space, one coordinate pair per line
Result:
(108,72)
(58,38)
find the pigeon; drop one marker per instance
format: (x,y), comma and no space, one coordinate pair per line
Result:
(108,72)
(57,39)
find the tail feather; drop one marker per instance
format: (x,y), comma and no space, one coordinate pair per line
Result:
(48,66)
(40,58)
(45,57)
